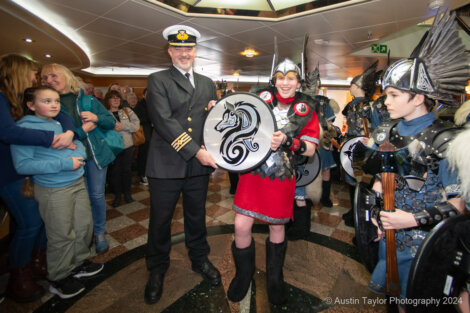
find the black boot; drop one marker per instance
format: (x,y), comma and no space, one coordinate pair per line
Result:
(117,200)
(128,198)
(348,217)
(325,194)
(245,265)
(275,253)
(299,228)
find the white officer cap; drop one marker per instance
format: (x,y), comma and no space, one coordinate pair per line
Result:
(181,35)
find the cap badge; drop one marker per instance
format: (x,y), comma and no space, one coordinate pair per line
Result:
(182,35)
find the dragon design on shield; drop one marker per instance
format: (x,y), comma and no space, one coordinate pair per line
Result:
(239,125)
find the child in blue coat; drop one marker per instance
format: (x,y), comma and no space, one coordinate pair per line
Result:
(60,191)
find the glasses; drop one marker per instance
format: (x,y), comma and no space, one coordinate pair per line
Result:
(114,98)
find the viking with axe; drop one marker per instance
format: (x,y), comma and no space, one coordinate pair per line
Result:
(419,189)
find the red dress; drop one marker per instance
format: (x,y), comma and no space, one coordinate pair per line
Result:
(272,200)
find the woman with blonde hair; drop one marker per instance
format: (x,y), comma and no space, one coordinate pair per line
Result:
(88,114)
(26,256)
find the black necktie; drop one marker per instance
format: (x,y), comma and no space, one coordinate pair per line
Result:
(188,77)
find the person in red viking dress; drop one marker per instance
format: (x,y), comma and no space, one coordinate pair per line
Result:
(267,192)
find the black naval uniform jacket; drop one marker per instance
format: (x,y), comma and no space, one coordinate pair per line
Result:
(177,111)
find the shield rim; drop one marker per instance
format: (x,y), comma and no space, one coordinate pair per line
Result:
(434,234)
(270,107)
(315,155)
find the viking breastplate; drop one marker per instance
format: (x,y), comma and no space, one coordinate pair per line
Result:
(428,146)
(281,163)
(355,111)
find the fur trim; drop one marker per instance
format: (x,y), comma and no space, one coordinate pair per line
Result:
(457,155)
(461,114)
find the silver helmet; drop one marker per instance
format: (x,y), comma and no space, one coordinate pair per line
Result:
(287,66)
(367,81)
(438,66)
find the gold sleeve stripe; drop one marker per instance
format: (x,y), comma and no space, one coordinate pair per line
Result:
(181,141)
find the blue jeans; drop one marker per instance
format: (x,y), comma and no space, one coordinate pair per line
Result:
(30,233)
(95,181)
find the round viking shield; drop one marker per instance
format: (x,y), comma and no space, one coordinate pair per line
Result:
(306,172)
(238,131)
(346,154)
(439,271)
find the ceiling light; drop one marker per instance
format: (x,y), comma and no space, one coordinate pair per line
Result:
(435,4)
(249,53)
(236,74)
(47,55)
(28,40)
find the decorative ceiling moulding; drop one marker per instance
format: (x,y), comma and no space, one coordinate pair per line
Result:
(229,9)
(80,58)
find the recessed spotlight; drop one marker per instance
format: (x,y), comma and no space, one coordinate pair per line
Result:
(28,40)
(249,53)
(236,74)
(47,55)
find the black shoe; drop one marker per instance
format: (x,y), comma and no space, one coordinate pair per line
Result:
(208,272)
(153,288)
(87,269)
(66,288)
(348,218)
(116,201)
(128,198)
(326,203)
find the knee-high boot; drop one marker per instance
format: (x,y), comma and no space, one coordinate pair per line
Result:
(300,226)
(275,253)
(38,264)
(348,217)
(245,266)
(325,194)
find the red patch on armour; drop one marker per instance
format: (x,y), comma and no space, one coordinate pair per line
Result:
(266,96)
(301,108)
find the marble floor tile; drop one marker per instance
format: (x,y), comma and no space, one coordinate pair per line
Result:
(310,278)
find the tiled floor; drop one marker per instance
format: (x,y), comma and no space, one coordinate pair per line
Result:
(127,224)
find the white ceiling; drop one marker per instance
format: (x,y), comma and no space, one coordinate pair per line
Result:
(126,34)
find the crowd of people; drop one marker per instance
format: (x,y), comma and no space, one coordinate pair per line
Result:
(56,159)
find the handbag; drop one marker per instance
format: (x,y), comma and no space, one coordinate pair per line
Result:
(112,138)
(138,137)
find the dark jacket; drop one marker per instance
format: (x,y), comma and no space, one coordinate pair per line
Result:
(10,133)
(177,111)
(142,113)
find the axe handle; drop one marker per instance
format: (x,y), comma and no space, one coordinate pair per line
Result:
(335,144)
(392,279)
(365,124)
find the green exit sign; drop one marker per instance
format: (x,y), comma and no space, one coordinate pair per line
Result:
(376,48)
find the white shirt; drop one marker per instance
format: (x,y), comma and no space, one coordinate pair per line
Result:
(191,75)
